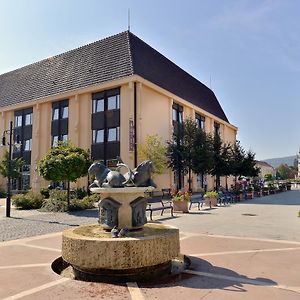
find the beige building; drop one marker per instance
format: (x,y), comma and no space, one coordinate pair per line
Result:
(265,169)
(107,97)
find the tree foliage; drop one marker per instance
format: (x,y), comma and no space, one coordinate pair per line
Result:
(16,166)
(286,172)
(153,149)
(64,162)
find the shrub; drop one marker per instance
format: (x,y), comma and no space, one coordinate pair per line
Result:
(211,195)
(79,193)
(30,200)
(58,202)
(299,213)
(45,192)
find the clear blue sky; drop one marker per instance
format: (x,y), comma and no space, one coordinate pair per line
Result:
(247,51)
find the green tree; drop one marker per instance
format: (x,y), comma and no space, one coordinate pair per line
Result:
(153,149)
(176,155)
(286,172)
(64,162)
(16,166)
(237,160)
(202,152)
(249,168)
(220,157)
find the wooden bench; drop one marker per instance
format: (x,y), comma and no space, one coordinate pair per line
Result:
(162,203)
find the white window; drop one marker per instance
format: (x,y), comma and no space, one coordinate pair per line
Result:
(65,112)
(28,145)
(98,105)
(18,121)
(54,140)
(28,119)
(113,134)
(98,136)
(55,114)
(113,102)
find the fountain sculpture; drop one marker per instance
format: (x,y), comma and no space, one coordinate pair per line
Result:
(122,246)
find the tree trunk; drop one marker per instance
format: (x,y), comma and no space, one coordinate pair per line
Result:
(68,194)
(190,178)
(226,183)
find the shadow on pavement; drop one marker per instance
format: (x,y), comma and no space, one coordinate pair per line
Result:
(206,282)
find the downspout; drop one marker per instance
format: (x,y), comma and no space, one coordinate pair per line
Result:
(135,127)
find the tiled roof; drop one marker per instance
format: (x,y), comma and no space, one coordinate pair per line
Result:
(115,57)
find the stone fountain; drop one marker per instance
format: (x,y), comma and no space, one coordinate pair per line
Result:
(122,246)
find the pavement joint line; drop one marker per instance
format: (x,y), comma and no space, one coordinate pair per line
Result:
(24,266)
(40,247)
(36,289)
(134,291)
(243,280)
(187,236)
(242,238)
(244,251)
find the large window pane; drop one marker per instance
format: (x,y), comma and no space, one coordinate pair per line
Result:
(98,136)
(113,102)
(98,105)
(28,119)
(55,114)
(174,114)
(65,112)
(18,121)
(54,140)
(64,138)
(28,145)
(113,134)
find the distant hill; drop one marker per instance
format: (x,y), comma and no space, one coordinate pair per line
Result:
(276,162)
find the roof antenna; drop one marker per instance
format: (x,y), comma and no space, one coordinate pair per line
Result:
(128,19)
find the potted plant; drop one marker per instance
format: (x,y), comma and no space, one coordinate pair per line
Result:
(180,200)
(265,191)
(249,192)
(257,191)
(211,198)
(238,194)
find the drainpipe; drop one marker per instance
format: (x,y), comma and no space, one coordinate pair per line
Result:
(135,127)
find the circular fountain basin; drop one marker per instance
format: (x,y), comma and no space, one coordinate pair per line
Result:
(93,253)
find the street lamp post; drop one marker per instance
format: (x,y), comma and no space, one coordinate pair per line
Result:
(9,171)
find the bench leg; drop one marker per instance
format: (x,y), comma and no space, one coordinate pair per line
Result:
(151,215)
(190,205)
(162,212)
(172,212)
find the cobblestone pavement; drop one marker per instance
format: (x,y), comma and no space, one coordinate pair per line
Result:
(30,223)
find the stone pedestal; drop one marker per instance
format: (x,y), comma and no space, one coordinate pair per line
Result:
(122,207)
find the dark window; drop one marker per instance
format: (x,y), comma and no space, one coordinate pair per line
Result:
(177,113)
(216,128)
(23,144)
(106,125)
(60,118)
(200,120)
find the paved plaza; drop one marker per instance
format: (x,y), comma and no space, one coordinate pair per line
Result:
(248,250)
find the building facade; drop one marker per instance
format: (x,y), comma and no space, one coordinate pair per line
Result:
(106,97)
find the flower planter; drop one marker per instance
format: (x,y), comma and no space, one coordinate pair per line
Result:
(258,194)
(238,197)
(180,206)
(211,202)
(249,195)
